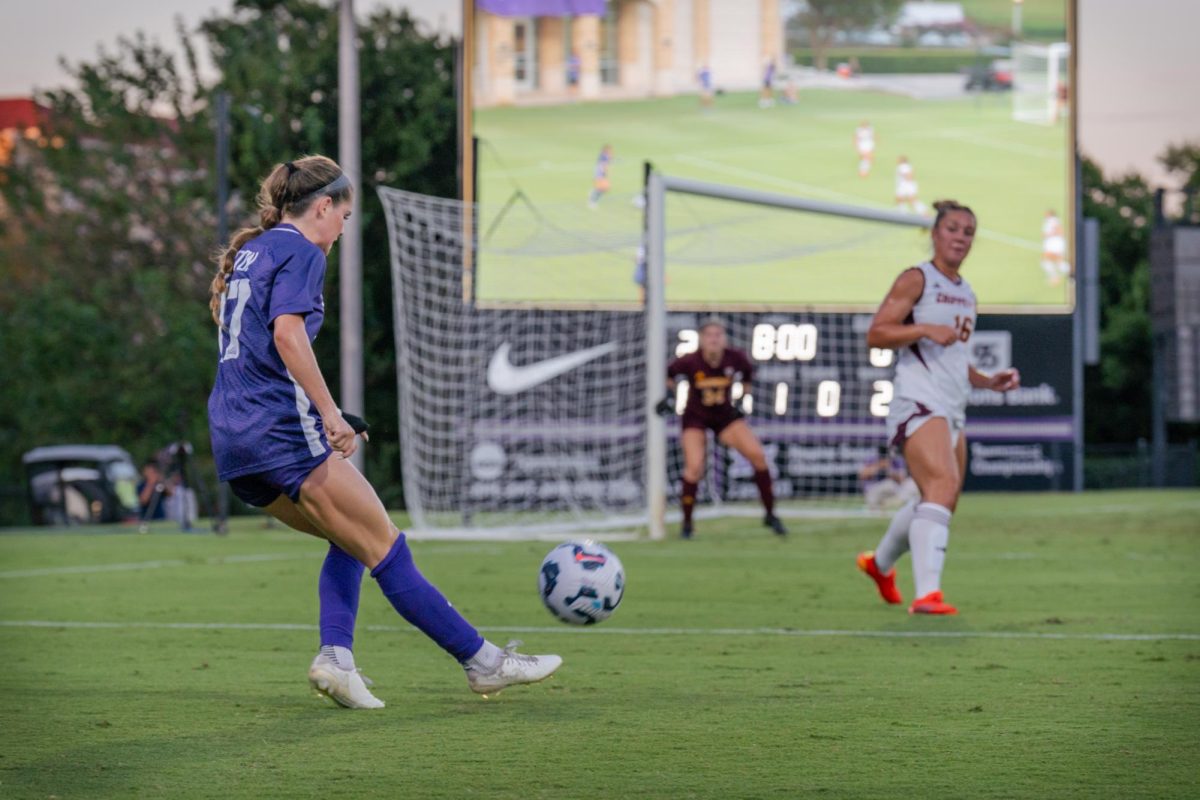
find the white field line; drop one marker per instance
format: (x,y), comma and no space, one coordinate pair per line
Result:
(132,566)
(613,631)
(135,566)
(1011,147)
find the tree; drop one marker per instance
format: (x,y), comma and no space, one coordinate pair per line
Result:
(1117,391)
(106,234)
(1183,160)
(825,18)
(109,240)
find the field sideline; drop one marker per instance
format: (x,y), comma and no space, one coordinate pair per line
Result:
(169,665)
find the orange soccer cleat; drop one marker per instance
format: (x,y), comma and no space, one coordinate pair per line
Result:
(931,603)
(885,583)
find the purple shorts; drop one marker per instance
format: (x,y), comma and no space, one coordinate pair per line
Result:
(262,488)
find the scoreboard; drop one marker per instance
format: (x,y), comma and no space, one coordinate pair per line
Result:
(820,398)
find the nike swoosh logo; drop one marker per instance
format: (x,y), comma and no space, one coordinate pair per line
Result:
(505,378)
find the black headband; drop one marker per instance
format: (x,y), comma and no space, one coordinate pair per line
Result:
(333,187)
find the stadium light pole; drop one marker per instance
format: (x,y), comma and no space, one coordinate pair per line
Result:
(350,251)
(1016,18)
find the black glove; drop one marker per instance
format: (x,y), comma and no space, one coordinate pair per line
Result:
(665,406)
(356,422)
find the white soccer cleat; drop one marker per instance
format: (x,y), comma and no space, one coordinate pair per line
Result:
(514,668)
(346,687)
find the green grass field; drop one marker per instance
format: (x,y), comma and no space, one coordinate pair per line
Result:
(560,251)
(739,666)
(1042,20)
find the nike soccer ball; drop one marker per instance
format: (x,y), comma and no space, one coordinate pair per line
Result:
(581,582)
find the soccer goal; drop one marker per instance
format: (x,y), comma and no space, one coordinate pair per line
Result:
(533,420)
(1041,74)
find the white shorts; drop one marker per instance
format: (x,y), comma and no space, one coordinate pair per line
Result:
(906,189)
(905,417)
(1054,246)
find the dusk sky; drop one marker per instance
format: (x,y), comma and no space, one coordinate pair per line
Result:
(1138,62)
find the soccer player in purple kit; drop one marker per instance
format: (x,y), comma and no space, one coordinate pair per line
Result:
(600,182)
(711,372)
(282,443)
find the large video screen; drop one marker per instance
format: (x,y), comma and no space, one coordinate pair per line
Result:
(967,100)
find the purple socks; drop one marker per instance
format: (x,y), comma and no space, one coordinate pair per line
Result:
(338,589)
(422,605)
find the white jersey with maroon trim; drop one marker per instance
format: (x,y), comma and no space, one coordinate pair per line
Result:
(864,137)
(927,372)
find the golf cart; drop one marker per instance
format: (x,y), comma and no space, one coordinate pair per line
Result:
(81,484)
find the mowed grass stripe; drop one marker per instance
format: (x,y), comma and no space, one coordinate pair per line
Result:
(609,630)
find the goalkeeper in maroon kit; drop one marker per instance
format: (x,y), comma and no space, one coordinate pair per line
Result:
(711,372)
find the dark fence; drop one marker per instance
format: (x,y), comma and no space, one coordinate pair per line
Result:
(1119,466)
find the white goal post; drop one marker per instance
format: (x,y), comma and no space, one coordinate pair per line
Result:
(659,187)
(1040,77)
(525,420)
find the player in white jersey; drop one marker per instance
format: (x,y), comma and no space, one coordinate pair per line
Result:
(906,187)
(864,142)
(928,317)
(1054,249)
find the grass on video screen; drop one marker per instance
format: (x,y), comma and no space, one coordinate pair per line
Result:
(540,240)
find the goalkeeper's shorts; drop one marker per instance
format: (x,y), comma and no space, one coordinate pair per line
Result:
(713,418)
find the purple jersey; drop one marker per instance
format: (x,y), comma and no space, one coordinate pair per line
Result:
(259,416)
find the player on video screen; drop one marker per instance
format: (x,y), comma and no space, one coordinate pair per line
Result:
(864,143)
(711,373)
(906,187)
(766,97)
(1054,249)
(600,182)
(704,76)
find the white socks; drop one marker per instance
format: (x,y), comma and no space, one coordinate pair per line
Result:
(487,658)
(340,656)
(928,536)
(895,541)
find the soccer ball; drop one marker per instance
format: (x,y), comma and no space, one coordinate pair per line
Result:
(581,582)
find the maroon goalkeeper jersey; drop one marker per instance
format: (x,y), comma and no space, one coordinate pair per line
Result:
(709,397)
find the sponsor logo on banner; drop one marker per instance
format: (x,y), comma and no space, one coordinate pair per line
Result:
(1012,461)
(488,461)
(991,350)
(504,377)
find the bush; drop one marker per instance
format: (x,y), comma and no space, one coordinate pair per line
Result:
(888,60)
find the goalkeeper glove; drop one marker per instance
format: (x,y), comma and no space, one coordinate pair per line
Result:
(356,422)
(665,406)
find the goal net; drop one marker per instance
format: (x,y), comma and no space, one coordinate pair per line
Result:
(1041,75)
(521,420)
(514,420)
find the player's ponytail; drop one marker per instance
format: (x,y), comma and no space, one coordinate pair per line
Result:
(288,190)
